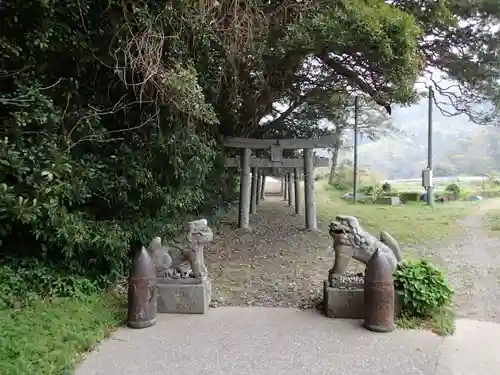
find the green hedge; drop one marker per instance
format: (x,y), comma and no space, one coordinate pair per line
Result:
(410,196)
(489,193)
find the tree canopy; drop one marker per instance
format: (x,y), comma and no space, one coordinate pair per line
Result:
(112,112)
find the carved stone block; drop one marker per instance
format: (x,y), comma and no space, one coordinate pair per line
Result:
(348,303)
(184,298)
(344,303)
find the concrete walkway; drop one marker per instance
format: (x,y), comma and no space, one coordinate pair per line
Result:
(279,341)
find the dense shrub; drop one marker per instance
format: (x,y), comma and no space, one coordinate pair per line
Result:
(409,196)
(453,191)
(422,287)
(366,189)
(342,185)
(343,180)
(89,162)
(23,281)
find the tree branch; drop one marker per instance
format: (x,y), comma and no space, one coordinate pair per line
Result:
(273,124)
(354,78)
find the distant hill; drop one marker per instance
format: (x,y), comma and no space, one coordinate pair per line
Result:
(460,146)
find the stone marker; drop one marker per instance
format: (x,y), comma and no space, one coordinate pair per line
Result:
(343,297)
(183,288)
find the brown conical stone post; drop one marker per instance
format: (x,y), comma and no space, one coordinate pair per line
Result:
(142,291)
(379,294)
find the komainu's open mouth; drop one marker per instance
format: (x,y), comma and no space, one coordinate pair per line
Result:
(336,231)
(336,228)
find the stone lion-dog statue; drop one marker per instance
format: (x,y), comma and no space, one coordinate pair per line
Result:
(187,248)
(351,241)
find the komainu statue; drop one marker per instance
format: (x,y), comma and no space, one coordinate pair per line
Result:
(350,240)
(171,259)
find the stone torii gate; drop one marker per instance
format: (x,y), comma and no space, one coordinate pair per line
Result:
(276,146)
(290,174)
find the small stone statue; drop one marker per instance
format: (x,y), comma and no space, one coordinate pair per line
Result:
(350,240)
(170,259)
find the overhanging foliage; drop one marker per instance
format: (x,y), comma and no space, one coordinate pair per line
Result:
(112,112)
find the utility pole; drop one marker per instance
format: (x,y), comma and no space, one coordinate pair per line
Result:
(430,189)
(355,181)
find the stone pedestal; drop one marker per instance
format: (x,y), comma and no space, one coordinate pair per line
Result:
(348,303)
(344,303)
(184,296)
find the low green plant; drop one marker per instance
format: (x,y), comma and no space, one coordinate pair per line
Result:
(386,190)
(464,194)
(366,189)
(342,185)
(442,323)
(423,288)
(410,196)
(25,281)
(392,193)
(453,190)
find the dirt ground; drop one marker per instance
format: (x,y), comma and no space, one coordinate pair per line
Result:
(279,264)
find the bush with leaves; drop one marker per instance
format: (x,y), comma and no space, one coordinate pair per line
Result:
(453,191)
(423,288)
(366,189)
(23,281)
(410,196)
(91,162)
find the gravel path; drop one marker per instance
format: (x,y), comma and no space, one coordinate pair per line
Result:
(279,264)
(472,263)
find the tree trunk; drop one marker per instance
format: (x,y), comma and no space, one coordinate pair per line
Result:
(333,167)
(335,156)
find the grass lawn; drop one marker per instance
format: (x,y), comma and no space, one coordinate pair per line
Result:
(48,337)
(443,323)
(493,220)
(409,224)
